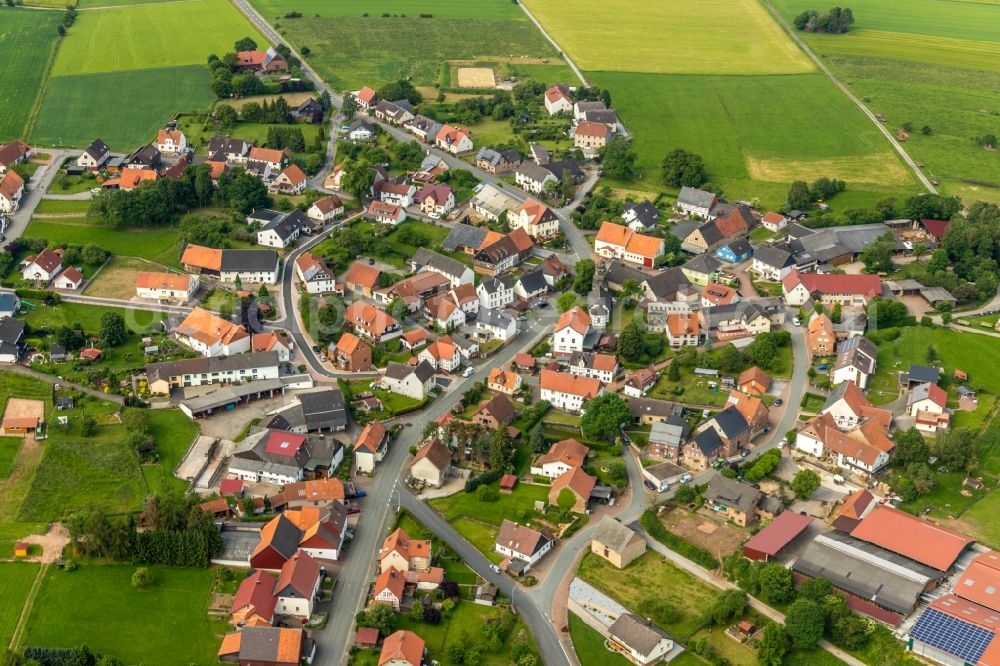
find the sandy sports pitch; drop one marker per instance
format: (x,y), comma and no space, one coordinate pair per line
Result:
(476,77)
(24,408)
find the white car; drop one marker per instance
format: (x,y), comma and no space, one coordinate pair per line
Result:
(494,568)
(468,372)
(686,478)
(434,216)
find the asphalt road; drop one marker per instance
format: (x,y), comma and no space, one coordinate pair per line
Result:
(36,186)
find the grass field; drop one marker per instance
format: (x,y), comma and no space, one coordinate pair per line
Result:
(756,133)
(151,36)
(352,51)
(172,432)
(119,620)
(926,62)
(198,135)
(62,206)
(670,37)
(159,245)
(77,108)
(15,581)
(117,278)
(486,9)
(589,645)
(8,452)
(89,317)
(28,38)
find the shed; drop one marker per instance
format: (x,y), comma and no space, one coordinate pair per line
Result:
(367,638)
(231,487)
(21,549)
(507,483)
(771,540)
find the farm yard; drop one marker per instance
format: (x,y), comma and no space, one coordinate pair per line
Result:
(28,38)
(925,63)
(349,49)
(669,37)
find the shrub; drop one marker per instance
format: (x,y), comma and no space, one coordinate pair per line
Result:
(487,494)
(651,523)
(481,479)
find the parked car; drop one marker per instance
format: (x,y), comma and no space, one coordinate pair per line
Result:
(779,402)
(351,510)
(468,372)
(649,484)
(494,568)
(360,493)
(686,478)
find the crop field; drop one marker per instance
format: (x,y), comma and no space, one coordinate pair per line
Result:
(351,51)
(27,38)
(69,113)
(755,133)
(118,620)
(160,245)
(928,63)
(709,37)
(150,36)
(487,9)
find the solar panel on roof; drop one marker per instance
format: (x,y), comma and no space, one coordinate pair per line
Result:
(942,631)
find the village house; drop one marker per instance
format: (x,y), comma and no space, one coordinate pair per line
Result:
(639,641)
(402,552)
(858,290)
(11,191)
(667,438)
(368,321)
(442,354)
(297,587)
(162,377)
(820,337)
(497,258)
(534,178)
(351,353)
(443,311)
(229,150)
(454,140)
(504,381)
(735,251)
(495,413)
(591,137)
(577,482)
(11,339)
(435,200)
(495,293)
(535,218)
(275,341)
(402,648)
(774,221)
(856,360)
(261,62)
(862,447)
(753,381)
(393,192)
(639,383)
(314,274)
(561,457)
(318,531)
(695,202)
(643,216)
(523,546)
(848,406)
(94,156)
(291,181)
(265,163)
(254,602)
(616,543)
(283,230)
(69,278)
(701,269)
(360,131)
(614,241)
(715,294)
(210,335)
(928,404)
(171,142)
(385,213)
(43,267)
(393,113)
(722,436)
(495,325)
(431,464)
(361,279)
(740,502)
(370,447)
(753,410)
(270,646)
(278,457)
(366,98)
(570,331)
(413,381)
(739,320)
(602,367)
(490,202)
(683,330)
(772,263)
(497,162)
(415,290)
(146,157)
(165,286)
(456,272)
(424,128)
(250,266)
(558,99)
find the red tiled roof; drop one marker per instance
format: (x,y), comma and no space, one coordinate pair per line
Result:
(257,591)
(563,382)
(936,228)
(980,582)
(366,95)
(370,437)
(920,540)
(568,451)
(403,646)
(575,318)
(779,533)
(10,184)
(866,285)
(300,573)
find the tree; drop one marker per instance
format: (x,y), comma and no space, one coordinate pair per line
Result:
(584,280)
(618,159)
(911,447)
(730,359)
(618,472)
(805,483)
(94,255)
(815,589)
(112,330)
(931,206)
(773,645)
(957,448)
(728,606)
(683,168)
(536,439)
(566,301)
(142,579)
(227,115)
(358,178)
(877,255)
(566,500)
(799,197)
(350,107)
(400,90)
(775,583)
(804,623)
(245,44)
(380,617)
(604,416)
(674,372)
(630,342)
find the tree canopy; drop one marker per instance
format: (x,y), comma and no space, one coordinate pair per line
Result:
(682,167)
(604,417)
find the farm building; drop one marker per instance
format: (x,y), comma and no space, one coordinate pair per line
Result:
(771,540)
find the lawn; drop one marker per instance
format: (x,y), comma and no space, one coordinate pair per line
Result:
(151,36)
(28,40)
(199,134)
(77,474)
(88,316)
(671,36)
(648,579)
(352,51)
(120,619)
(11,532)
(67,116)
(64,206)
(161,245)
(755,133)
(15,581)
(117,278)
(589,645)
(173,432)
(9,447)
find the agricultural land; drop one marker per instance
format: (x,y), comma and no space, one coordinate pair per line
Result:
(925,63)
(28,38)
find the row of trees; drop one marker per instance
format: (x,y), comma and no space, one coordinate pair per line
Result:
(835,21)
(802,196)
(228,78)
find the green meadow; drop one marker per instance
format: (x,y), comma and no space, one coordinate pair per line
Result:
(484,9)
(27,40)
(160,245)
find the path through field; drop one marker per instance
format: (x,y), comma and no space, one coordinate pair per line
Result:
(29,601)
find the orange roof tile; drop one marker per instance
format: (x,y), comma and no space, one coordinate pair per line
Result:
(592,129)
(363,274)
(568,451)
(209,328)
(267,155)
(403,646)
(230,643)
(10,184)
(562,382)
(681,324)
(981,580)
(920,540)
(504,378)
(613,234)
(370,437)
(576,480)
(205,258)
(171,281)
(369,318)
(392,580)
(576,318)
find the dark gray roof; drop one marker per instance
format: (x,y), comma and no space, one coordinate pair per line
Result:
(708,441)
(649,407)
(264,215)
(744,310)
(488,155)
(498,251)
(97,149)
(731,422)
(666,284)
(703,263)
(325,408)
(494,318)
(288,224)
(645,212)
(11,330)
(424,371)
(495,284)
(464,235)
(613,534)
(773,256)
(225,144)
(733,493)
(740,247)
(194,366)
(539,154)
(359,123)
(920,374)
(590,105)
(859,352)
(672,432)
(711,233)
(534,172)
(695,197)
(439,262)
(249,260)
(605,116)
(533,281)
(148,155)
(286,538)
(637,634)
(619,271)
(557,168)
